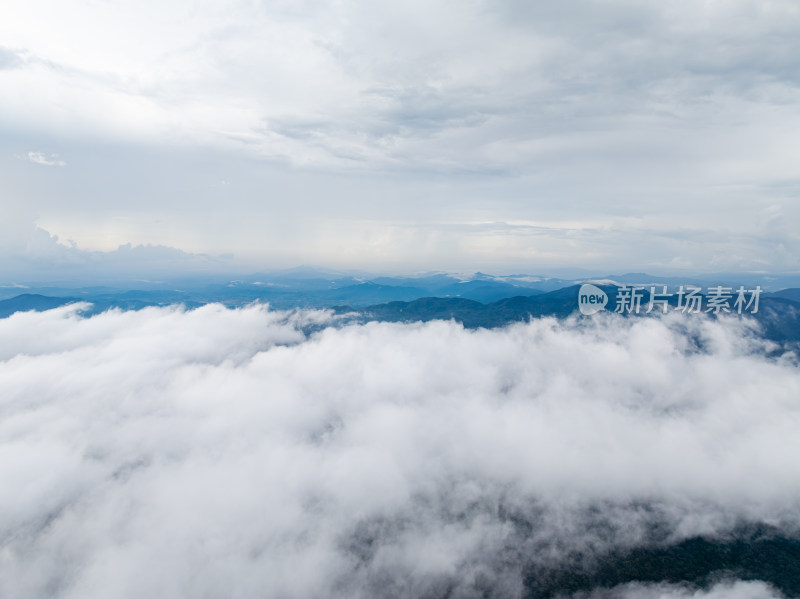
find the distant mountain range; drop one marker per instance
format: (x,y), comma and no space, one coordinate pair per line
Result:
(479,301)
(778,315)
(310,287)
(290,290)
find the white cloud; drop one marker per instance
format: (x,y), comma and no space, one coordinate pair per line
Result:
(226,452)
(737,590)
(41,158)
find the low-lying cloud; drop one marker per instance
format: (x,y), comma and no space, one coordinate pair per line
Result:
(249,452)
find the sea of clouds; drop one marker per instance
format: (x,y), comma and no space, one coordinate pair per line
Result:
(255,453)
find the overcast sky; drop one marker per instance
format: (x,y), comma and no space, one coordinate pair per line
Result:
(501,135)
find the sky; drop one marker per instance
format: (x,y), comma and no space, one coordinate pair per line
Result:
(217,452)
(503,136)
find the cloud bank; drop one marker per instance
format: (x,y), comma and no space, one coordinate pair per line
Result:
(249,452)
(31,253)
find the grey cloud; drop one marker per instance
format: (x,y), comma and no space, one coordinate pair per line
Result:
(417,112)
(9,59)
(575,67)
(227,452)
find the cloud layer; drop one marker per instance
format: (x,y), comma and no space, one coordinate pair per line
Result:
(434,85)
(236,453)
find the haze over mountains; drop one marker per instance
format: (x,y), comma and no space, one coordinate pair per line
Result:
(479,300)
